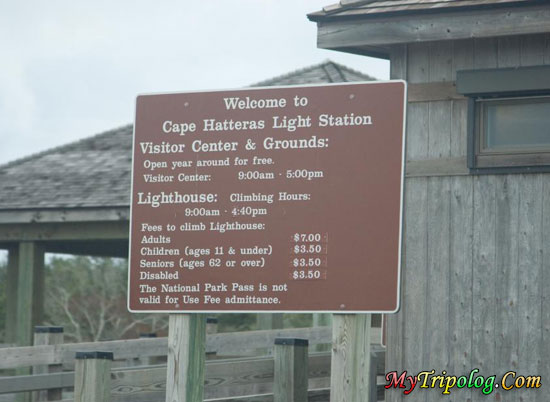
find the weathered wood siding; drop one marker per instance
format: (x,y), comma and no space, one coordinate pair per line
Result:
(476,264)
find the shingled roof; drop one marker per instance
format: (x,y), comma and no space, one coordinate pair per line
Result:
(325,72)
(95,172)
(365,8)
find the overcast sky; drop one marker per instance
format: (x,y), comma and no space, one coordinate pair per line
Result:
(71,69)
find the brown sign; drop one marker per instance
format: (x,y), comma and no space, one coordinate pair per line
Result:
(268,199)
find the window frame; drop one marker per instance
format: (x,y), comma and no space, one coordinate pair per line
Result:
(524,157)
(505,86)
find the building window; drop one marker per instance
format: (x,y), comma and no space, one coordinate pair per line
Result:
(509,120)
(512,132)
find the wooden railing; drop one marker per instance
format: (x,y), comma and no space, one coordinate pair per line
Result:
(246,378)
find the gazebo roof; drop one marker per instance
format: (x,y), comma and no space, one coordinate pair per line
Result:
(93,174)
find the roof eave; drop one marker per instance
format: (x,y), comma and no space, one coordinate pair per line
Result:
(369,34)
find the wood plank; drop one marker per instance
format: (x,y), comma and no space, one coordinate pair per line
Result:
(48,336)
(66,215)
(484,250)
(64,354)
(239,377)
(439,130)
(461,271)
(398,62)
(530,250)
(290,380)
(98,248)
(92,377)
(410,332)
(9,385)
(506,250)
(415,274)
(350,363)
(317,395)
(31,263)
(547,50)
(532,49)
(433,27)
(485,53)
(11,294)
(484,264)
(506,279)
(440,69)
(463,55)
(64,231)
(436,336)
(242,342)
(395,322)
(38,300)
(545,280)
(141,384)
(459,131)
(508,52)
(441,62)
(418,63)
(463,59)
(433,91)
(186,358)
(417,134)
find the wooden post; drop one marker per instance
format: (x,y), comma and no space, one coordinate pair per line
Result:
(147,360)
(30,277)
(186,358)
(291,370)
(350,363)
(92,377)
(373,373)
(48,336)
(322,320)
(211,328)
(11,295)
(29,290)
(211,325)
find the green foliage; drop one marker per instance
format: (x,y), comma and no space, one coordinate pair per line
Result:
(87,296)
(228,322)
(297,320)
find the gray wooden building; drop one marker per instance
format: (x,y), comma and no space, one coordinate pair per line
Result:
(476,262)
(75,199)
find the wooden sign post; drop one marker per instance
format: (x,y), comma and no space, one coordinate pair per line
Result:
(186,358)
(350,363)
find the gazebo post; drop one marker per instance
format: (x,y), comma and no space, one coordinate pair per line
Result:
(11,294)
(30,290)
